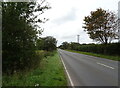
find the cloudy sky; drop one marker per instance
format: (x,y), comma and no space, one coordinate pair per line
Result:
(66,18)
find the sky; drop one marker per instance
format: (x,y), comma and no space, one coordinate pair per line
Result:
(66,18)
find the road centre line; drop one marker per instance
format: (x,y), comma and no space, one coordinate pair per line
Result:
(105,65)
(67,72)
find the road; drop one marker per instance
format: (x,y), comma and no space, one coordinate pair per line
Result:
(85,70)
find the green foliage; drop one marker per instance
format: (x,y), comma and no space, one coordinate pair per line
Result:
(47,74)
(19,30)
(65,45)
(106,49)
(40,44)
(48,43)
(101,25)
(116,58)
(72,45)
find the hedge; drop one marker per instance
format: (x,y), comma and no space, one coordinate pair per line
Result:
(107,49)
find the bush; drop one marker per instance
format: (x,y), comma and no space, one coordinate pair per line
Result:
(48,43)
(107,49)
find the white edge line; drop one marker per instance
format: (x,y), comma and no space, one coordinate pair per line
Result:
(66,71)
(105,65)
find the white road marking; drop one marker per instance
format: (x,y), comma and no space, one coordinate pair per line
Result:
(67,73)
(105,65)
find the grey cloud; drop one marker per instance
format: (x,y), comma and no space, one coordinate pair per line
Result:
(70,16)
(68,36)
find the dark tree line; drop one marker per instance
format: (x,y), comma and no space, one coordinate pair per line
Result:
(71,46)
(107,49)
(47,43)
(20,34)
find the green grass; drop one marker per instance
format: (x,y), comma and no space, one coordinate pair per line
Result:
(116,58)
(49,73)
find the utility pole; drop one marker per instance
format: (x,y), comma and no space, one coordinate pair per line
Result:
(119,21)
(78,38)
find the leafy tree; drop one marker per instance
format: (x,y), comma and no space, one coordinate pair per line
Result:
(74,46)
(48,43)
(101,25)
(19,31)
(40,44)
(65,45)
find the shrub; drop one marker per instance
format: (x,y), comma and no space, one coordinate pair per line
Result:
(108,49)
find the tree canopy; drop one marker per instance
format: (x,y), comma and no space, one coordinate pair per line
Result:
(19,30)
(47,43)
(65,45)
(101,25)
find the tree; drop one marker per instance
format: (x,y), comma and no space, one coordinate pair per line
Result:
(47,43)
(65,45)
(19,30)
(101,25)
(40,44)
(74,46)
(50,43)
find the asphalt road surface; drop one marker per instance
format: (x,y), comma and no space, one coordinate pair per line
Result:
(85,70)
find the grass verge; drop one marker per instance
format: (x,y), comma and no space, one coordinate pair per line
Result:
(116,58)
(49,73)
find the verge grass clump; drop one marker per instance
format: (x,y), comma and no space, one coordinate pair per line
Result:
(50,72)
